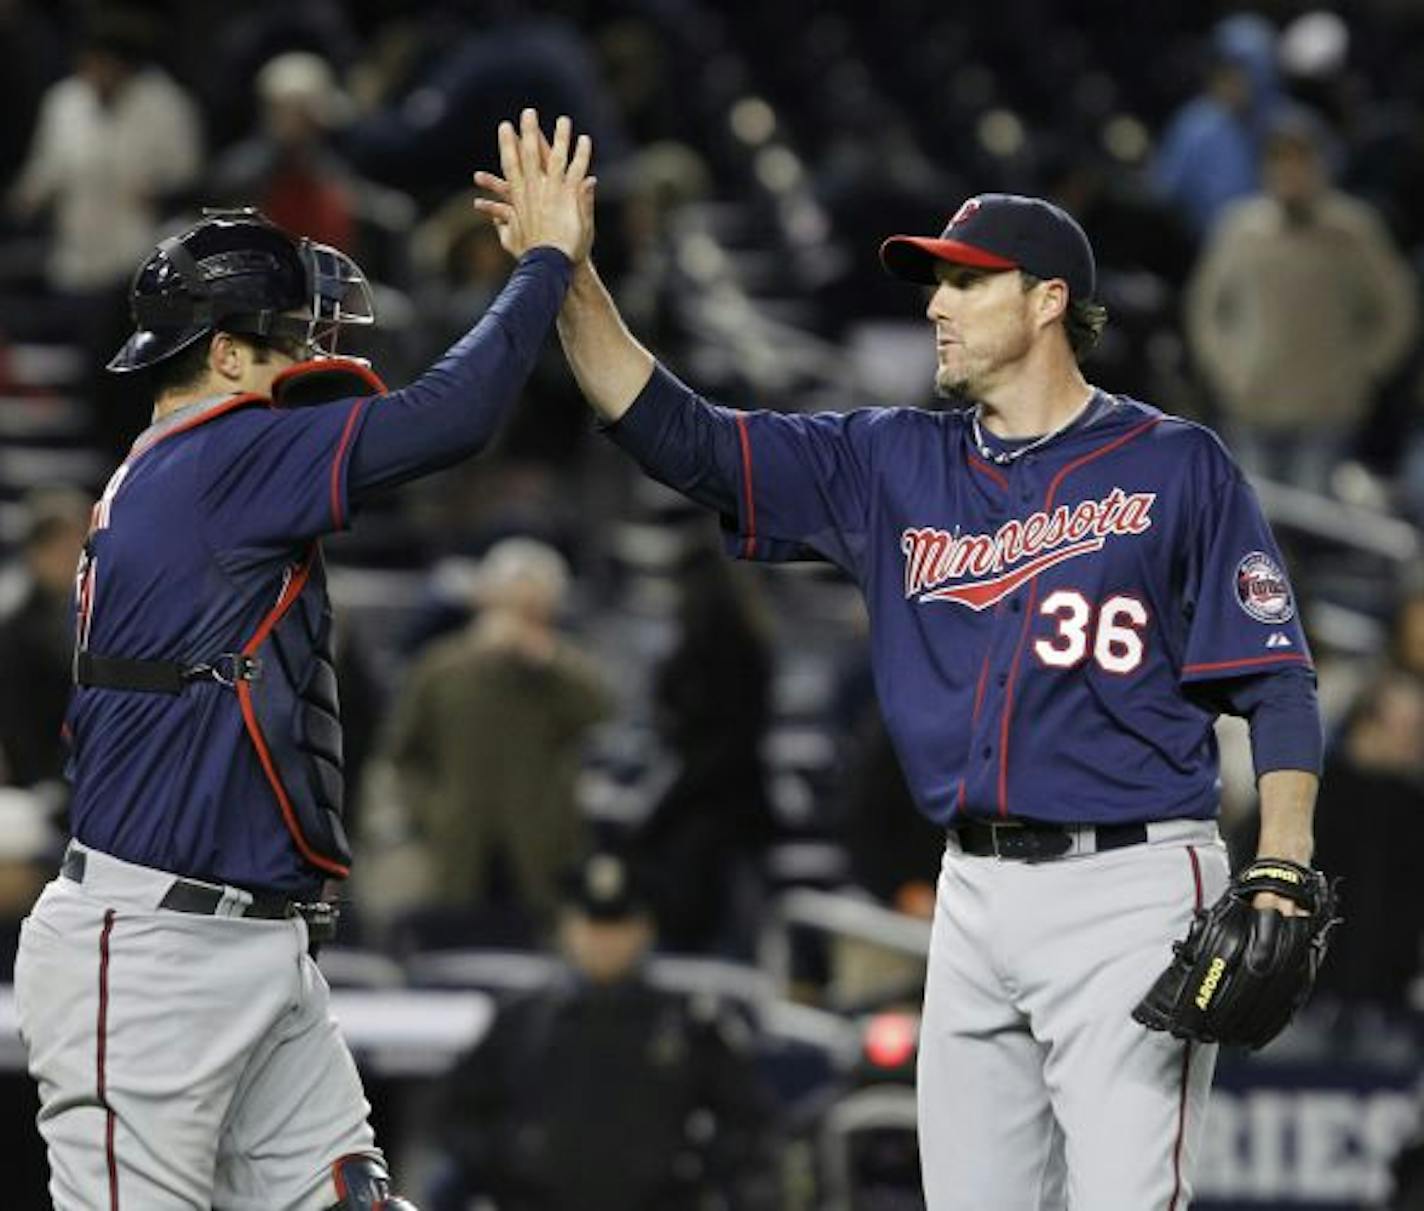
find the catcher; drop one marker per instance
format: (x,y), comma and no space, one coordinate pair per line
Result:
(177,1027)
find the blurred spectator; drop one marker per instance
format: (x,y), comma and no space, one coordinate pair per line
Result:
(485,742)
(1210,152)
(603,1093)
(114,140)
(1369,832)
(36,642)
(706,834)
(1300,308)
(116,143)
(292,171)
(232,42)
(288,170)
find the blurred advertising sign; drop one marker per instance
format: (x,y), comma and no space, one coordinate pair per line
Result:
(1296,1136)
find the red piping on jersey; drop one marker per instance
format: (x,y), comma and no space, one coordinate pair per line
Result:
(249,718)
(992,472)
(979,690)
(101,1079)
(1186,1059)
(1053,487)
(748,497)
(978,702)
(337,513)
(1274,658)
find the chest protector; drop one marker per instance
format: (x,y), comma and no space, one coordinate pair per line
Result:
(292,714)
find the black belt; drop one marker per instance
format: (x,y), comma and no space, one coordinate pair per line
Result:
(204,899)
(1030,841)
(161,676)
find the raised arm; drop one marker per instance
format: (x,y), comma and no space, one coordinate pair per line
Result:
(611,366)
(607,360)
(454,409)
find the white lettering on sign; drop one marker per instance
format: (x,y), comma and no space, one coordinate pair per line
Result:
(1306,1146)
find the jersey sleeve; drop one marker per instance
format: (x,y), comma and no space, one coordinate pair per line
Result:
(279,475)
(1242,610)
(788,486)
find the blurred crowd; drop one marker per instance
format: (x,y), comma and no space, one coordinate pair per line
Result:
(544,657)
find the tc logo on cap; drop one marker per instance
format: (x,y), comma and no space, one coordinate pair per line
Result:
(965,211)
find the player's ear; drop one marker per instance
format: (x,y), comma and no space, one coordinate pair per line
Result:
(1052,301)
(227,356)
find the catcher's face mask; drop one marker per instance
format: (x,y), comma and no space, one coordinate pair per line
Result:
(339,295)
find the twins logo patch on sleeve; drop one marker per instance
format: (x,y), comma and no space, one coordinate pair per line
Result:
(1262,589)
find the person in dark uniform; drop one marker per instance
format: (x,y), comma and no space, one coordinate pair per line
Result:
(601,1092)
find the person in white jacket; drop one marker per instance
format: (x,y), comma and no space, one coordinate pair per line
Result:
(112,139)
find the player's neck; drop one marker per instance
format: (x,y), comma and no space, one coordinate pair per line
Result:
(1030,405)
(210,388)
(176,401)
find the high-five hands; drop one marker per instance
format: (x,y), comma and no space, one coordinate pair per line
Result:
(545,196)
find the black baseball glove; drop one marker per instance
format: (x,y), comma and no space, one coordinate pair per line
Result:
(1242,972)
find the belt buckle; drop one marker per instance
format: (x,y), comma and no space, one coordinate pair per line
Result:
(1027,844)
(995,829)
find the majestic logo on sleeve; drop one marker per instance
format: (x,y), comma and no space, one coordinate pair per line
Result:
(979,570)
(1263,590)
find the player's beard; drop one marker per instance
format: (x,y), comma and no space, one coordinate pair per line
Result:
(975,368)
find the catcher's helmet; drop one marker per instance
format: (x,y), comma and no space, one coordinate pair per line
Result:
(236,271)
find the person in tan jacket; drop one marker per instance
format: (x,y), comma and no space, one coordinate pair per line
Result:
(1300,307)
(485,741)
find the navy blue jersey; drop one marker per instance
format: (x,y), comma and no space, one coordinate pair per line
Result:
(200,534)
(1036,627)
(195,538)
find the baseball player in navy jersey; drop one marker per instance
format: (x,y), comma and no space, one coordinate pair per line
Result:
(1065,588)
(176,1025)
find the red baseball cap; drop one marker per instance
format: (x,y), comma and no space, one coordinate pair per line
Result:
(1001,231)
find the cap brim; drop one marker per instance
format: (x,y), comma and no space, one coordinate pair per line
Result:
(913,257)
